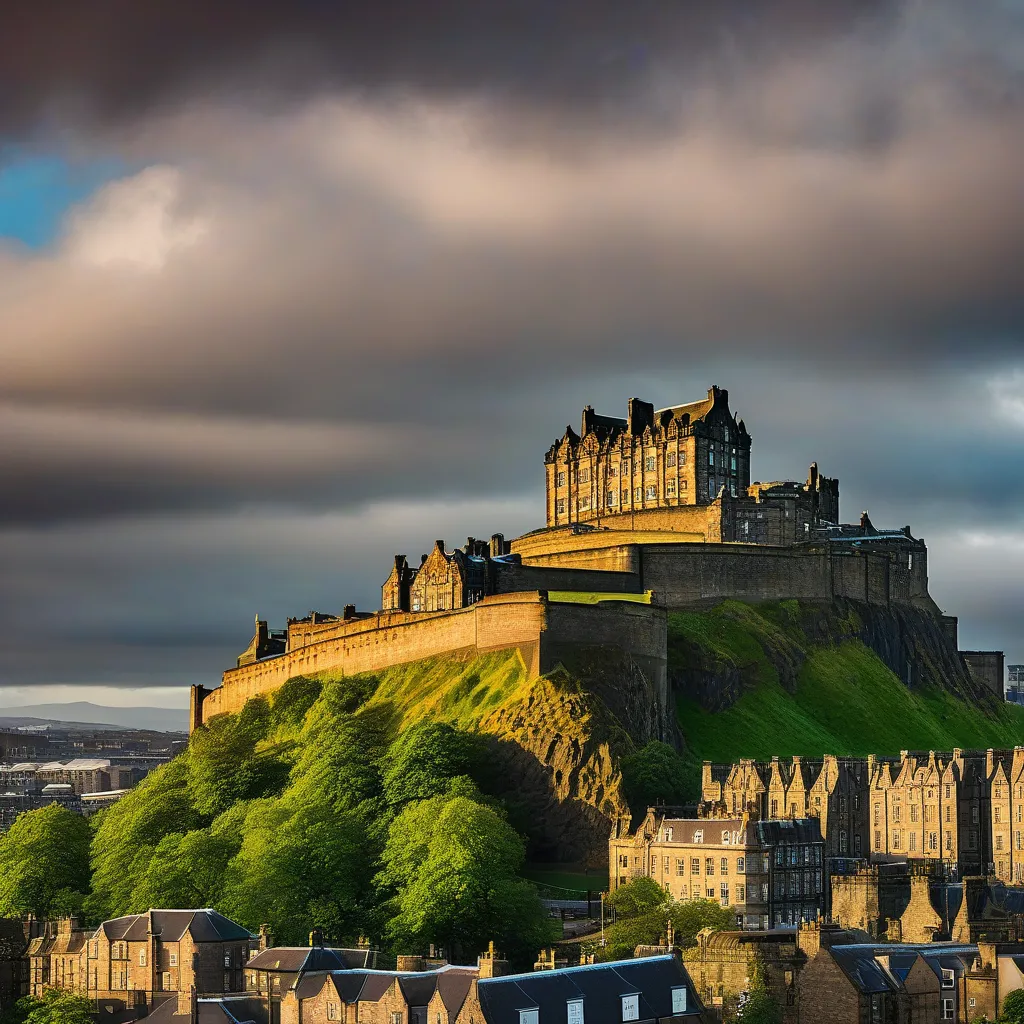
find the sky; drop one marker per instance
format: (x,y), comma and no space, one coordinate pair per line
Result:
(286,289)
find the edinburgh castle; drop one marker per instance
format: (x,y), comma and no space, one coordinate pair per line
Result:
(644,515)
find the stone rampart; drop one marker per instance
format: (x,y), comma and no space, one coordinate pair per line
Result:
(544,633)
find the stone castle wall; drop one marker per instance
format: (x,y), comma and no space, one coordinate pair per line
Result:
(683,574)
(545,633)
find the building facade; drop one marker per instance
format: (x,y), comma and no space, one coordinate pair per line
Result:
(771,874)
(139,961)
(677,458)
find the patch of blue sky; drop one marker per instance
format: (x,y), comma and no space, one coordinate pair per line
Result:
(36,192)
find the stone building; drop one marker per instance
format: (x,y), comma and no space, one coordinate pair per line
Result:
(678,458)
(769,873)
(140,961)
(959,808)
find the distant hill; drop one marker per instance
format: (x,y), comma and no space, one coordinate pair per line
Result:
(84,713)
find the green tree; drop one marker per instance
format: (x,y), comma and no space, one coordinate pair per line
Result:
(44,862)
(128,833)
(1013,1008)
(760,1006)
(56,1006)
(452,865)
(186,870)
(656,774)
(301,867)
(643,910)
(425,758)
(225,764)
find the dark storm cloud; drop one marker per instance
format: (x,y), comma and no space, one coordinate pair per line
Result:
(119,59)
(371,259)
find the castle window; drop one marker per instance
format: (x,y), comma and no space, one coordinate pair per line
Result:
(709,866)
(725,866)
(585,476)
(670,459)
(652,492)
(725,895)
(332,1011)
(741,893)
(739,865)
(670,488)
(680,866)
(612,495)
(560,479)
(559,508)
(695,865)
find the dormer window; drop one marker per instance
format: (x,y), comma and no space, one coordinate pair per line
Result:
(574,1011)
(948,978)
(678,1000)
(630,1008)
(529,1016)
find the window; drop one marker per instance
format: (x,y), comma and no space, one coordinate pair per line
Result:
(878,840)
(947,792)
(725,895)
(142,958)
(678,1000)
(560,479)
(611,497)
(947,1009)
(638,494)
(584,476)
(725,866)
(574,1011)
(630,1009)
(733,464)
(843,847)
(585,502)
(528,1016)
(974,815)
(896,813)
(625,495)
(913,842)
(227,959)
(741,893)
(948,978)
(332,1011)
(167,981)
(878,812)
(709,866)
(711,488)
(933,840)
(739,865)
(682,458)
(680,866)
(698,836)
(913,812)
(670,488)
(695,865)
(682,485)
(396,1016)
(948,809)
(775,808)
(711,457)
(670,460)
(972,840)
(559,508)
(652,492)
(94,950)
(666,865)
(999,842)
(997,813)
(173,959)
(764,892)
(949,840)
(856,845)
(895,839)
(710,893)
(612,472)
(649,464)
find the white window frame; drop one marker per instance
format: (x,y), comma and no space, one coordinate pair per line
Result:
(574,1011)
(630,1008)
(948,978)
(678,1000)
(530,1015)
(948,1009)
(172,959)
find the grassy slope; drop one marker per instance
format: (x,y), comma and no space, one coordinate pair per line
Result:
(845,701)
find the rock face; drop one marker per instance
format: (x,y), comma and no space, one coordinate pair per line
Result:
(559,748)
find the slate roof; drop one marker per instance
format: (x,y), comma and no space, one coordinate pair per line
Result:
(170,925)
(799,830)
(600,986)
(227,1009)
(292,959)
(863,963)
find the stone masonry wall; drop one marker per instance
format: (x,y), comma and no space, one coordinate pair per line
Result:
(626,634)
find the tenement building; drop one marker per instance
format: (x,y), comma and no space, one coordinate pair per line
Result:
(140,961)
(769,872)
(963,809)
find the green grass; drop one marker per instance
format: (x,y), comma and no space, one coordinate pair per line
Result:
(845,700)
(593,597)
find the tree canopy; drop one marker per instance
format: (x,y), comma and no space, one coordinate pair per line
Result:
(44,863)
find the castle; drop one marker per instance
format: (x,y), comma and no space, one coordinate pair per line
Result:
(645,514)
